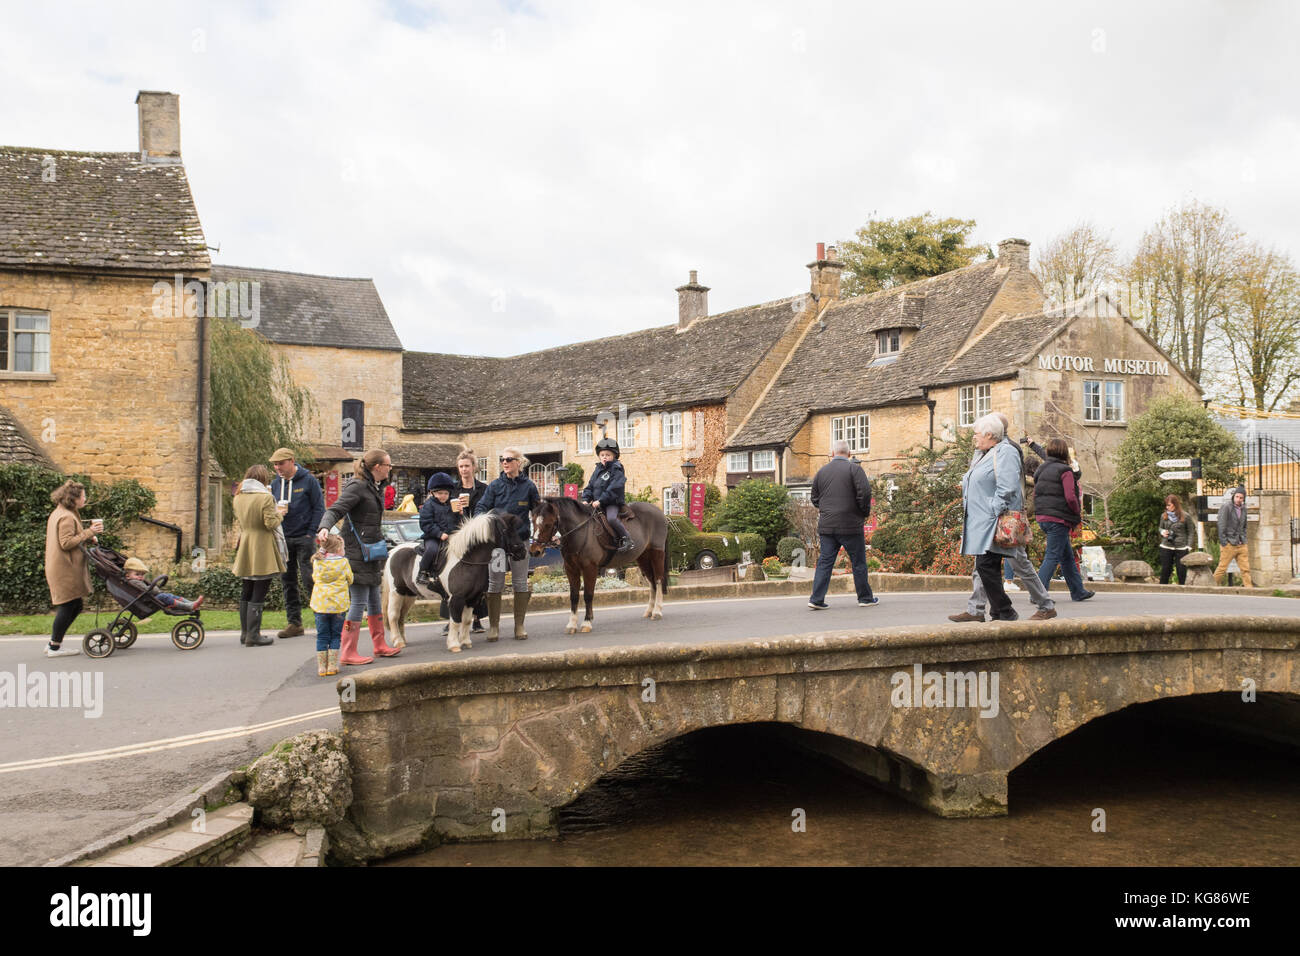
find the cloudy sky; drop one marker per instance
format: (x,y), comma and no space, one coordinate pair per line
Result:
(516,175)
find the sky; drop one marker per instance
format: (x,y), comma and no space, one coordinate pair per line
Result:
(519,175)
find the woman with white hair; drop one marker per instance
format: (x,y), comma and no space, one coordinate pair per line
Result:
(991,486)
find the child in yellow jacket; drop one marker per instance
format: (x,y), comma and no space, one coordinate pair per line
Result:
(331,576)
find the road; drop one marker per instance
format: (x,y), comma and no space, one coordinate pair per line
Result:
(174,719)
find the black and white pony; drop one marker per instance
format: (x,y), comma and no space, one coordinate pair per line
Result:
(464,577)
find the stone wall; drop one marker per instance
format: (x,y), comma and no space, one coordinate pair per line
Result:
(121,397)
(332,375)
(493,747)
(1269,541)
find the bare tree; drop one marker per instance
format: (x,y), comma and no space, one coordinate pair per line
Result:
(1076,263)
(1184,269)
(1261,331)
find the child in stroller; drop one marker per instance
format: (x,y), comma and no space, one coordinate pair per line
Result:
(135,574)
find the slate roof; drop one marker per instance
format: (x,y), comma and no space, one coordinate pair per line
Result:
(103,211)
(17,444)
(651,369)
(831,369)
(1283,430)
(423,454)
(297,308)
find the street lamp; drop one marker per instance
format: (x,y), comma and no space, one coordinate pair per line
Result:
(688,469)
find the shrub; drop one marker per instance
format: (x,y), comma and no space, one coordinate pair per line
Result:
(920,528)
(571,474)
(1136,513)
(758,507)
(785,549)
(219,586)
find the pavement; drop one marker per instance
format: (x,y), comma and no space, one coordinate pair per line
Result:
(169,720)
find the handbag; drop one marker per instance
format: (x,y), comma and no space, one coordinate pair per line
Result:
(369,552)
(1012,527)
(281,545)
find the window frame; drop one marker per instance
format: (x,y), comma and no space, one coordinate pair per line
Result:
(753,459)
(481,469)
(861,423)
(589,429)
(980,399)
(9,348)
(626,433)
(1103,405)
(737,471)
(671,429)
(888,337)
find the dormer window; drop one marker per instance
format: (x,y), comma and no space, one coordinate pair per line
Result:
(889,341)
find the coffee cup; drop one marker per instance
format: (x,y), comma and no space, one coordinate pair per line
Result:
(456,505)
(97,524)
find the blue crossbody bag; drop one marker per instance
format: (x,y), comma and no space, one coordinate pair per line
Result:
(369,552)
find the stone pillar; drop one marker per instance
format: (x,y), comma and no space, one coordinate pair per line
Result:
(1269,540)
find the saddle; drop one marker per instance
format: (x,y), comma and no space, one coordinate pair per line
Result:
(435,572)
(605,535)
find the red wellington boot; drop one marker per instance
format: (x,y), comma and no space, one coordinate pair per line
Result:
(376,625)
(348,645)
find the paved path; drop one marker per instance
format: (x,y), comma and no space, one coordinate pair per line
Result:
(172,719)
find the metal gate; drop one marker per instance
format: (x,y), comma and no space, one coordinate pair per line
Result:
(546,478)
(1271,465)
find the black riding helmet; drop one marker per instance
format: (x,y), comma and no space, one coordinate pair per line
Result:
(607,444)
(441,480)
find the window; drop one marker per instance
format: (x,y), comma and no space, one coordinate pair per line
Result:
(672,429)
(481,471)
(854,429)
(764,461)
(586,431)
(801,494)
(737,461)
(975,402)
(888,341)
(1103,401)
(354,424)
(24,341)
(626,433)
(675,499)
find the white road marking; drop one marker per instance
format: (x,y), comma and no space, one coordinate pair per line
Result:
(167,743)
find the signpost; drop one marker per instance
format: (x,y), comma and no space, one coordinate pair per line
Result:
(1185,469)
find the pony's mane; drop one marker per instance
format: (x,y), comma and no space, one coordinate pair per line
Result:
(562,502)
(480,530)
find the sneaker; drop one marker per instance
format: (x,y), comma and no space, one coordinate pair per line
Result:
(1010,616)
(1010,586)
(1043,615)
(1086,595)
(62,651)
(818,606)
(871,603)
(965,616)
(446,629)
(477,627)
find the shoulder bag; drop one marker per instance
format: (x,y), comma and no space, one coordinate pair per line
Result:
(1012,528)
(369,552)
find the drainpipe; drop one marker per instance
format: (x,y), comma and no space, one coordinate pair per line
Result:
(199,471)
(930,403)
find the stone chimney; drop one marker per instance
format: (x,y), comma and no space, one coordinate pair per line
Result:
(160,126)
(826,269)
(692,301)
(1014,253)
(912,309)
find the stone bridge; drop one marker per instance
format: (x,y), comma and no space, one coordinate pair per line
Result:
(494,747)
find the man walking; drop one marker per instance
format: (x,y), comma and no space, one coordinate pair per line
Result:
(1020,563)
(841,494)
(296,488)
(1232,538)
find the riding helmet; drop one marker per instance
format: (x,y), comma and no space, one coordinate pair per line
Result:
(442,480)
(607,444)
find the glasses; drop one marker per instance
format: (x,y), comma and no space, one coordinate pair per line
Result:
(507,460)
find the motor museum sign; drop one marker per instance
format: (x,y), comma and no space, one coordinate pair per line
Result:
(1109,366)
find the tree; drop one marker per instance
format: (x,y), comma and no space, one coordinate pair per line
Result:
(921,525)
(890,252)
(1075,263)
(1262,328)
(758,507)
(1175,426)
(256,406)
(1183,272)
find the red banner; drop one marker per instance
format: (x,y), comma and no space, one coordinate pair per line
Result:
(571,491)
(697,504)
(331,487)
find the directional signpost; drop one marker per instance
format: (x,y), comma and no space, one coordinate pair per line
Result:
(1185,469)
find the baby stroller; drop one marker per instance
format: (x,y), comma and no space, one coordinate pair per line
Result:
(187,634)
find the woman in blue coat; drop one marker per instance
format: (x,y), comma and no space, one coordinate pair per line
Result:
(991,486)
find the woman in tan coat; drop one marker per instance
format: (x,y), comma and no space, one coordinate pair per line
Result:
(66,570)
(257,559)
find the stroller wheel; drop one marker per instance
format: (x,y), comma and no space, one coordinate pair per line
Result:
(124,633)
(188,634)
(98,644)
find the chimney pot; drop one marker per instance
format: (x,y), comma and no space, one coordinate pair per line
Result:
(160,126)
(821,251)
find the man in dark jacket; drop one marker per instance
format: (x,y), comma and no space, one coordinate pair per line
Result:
(514,493)
(1233,521)
(842,495)
(295,486)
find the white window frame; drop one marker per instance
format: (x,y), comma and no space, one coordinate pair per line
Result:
(855,429)
(885,338)
(732,457)
(973,403)
(672,429)
(1103,412)
(626,433)
(1106,404)
(40,336)
(754,459)
(801,494)
(586,438)
(480,471)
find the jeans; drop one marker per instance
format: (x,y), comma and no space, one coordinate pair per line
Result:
(856,548)
(365,600)
(1060,553)
(329,631)
(300,552)
(497,578)
(1172,558)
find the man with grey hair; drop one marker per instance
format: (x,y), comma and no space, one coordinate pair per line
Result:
(1019,557)
(841,494)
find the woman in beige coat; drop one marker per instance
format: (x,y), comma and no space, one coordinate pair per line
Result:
(66,570)
(257,559)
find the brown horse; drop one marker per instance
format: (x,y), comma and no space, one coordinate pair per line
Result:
(587,547)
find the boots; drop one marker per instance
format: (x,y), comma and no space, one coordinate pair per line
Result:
(521,608)
(243,622)
(322,663)
(255,638)
(625,544)
(376,625)
(494,617)
(332,662)
(348,645)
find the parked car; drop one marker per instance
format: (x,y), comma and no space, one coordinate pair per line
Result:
(400,527)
